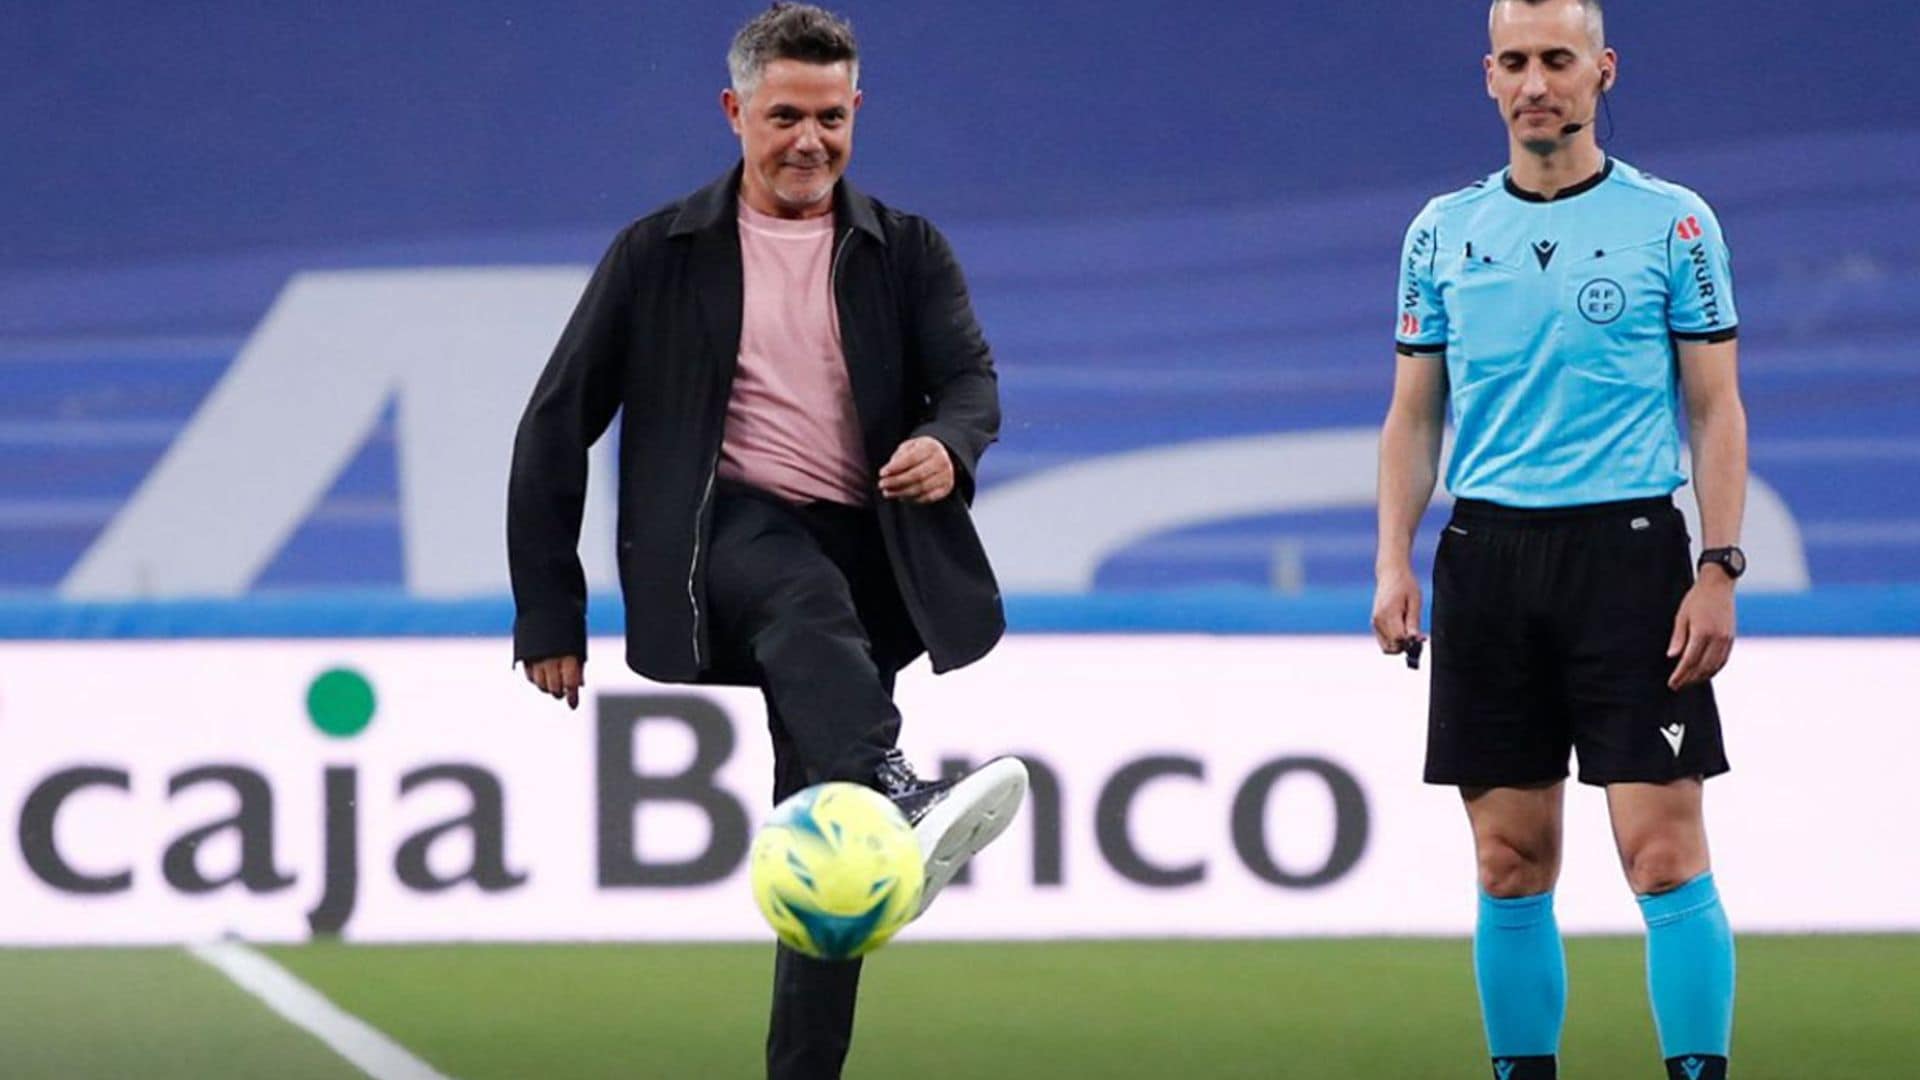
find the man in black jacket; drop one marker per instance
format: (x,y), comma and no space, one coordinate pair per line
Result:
(766,341)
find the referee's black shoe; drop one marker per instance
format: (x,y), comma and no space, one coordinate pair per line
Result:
(953,819)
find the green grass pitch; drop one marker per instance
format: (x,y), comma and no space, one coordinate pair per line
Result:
(1833,1007)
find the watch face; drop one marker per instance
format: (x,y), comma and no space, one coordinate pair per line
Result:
(1730,559)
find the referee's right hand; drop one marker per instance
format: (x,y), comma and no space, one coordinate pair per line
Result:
(1396,610)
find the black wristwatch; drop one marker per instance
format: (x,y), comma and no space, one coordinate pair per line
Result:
(1730,559)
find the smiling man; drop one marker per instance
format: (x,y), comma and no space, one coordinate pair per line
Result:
(1562,308)
(804,396)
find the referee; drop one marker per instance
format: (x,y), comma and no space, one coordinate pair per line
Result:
(1563,307)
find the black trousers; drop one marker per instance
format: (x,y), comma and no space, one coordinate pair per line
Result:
(804,597)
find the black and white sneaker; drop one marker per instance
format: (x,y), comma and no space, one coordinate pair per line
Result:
(953,819)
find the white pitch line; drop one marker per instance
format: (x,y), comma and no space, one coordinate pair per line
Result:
(344,1033)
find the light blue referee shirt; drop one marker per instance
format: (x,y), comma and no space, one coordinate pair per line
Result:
(1557,320)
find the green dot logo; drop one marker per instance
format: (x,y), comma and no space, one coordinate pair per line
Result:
(340,703)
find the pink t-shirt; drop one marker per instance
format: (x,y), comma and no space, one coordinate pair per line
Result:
(791,426)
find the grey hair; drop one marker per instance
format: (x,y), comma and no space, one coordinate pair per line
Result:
(790,32)
(1596,19)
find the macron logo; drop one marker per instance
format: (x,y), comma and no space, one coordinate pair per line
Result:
(1694,1067)
(1504,1069)
(1673,734)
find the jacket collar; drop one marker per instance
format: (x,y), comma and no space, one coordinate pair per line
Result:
(715,206)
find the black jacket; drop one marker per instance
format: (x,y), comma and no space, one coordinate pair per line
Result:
(656,336)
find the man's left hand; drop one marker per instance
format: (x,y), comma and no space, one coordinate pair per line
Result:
(1702,630)
(921,471)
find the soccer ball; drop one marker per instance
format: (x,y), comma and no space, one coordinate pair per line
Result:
(837,871)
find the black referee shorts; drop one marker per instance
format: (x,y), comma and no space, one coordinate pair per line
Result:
(1550,631)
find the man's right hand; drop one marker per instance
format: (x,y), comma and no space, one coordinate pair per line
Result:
(1396,610)
(557,676)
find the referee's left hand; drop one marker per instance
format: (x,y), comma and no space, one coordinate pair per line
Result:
(1702,630)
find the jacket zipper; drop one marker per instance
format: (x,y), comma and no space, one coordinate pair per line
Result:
(833,271)
(693,567)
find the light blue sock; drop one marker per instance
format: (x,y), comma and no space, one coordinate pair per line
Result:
(1690,969)
(1522,971)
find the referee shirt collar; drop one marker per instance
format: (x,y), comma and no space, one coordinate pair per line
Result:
(1580,188)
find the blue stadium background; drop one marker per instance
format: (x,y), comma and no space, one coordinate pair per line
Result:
(1180,221)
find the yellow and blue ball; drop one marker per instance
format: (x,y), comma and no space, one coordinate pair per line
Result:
(836,871)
